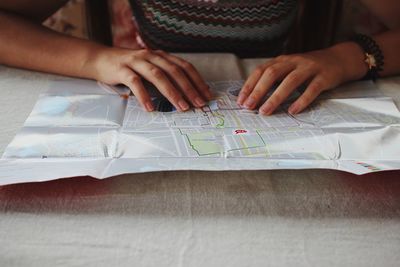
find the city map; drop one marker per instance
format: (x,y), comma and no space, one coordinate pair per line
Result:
(82,121)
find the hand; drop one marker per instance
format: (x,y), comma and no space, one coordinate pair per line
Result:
(320,70)
(174,77)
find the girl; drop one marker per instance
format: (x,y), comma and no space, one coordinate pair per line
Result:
(261,27)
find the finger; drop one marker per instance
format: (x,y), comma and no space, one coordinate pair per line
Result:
(310,94)
(157,77)
(194,76)
(176,74)
(271,75)
(291,82)
(251,82)
(134,82)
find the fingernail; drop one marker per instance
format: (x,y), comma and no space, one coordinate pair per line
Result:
(294,109)
(149,106)
(266,109)
(241,99)
(183,105)
(199,102)
(250,103)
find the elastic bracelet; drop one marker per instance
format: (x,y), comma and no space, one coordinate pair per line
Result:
(373,55)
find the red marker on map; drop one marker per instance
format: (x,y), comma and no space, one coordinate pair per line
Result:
(240,131)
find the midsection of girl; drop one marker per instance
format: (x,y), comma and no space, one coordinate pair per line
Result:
(246,28)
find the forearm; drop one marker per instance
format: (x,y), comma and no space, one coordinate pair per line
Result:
(28,45)
(352,56)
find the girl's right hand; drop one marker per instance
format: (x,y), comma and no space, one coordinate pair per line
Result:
(174,77)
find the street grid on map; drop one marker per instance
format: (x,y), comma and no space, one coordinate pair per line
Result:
(108,126)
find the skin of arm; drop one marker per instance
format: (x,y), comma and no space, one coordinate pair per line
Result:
(25,43)
(323,69)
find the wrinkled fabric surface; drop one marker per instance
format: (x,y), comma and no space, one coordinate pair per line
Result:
(188,218)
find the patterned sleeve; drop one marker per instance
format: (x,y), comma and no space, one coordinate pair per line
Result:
(71,20)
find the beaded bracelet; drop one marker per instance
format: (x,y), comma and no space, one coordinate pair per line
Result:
(373,55)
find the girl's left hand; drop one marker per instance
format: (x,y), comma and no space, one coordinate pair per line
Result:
(319,70)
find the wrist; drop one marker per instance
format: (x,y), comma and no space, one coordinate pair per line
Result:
(352,60)
(95,62)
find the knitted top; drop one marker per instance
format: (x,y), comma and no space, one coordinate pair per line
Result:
(257,27)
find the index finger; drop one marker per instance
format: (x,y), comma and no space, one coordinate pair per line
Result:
(287,86)
(157,77)
(191,72)
(252,81)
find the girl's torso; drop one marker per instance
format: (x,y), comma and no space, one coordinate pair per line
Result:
(257,27)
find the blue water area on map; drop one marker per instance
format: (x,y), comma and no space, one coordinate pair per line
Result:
(27,152)
(53,105)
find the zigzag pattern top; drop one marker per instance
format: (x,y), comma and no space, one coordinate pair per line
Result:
(257,27)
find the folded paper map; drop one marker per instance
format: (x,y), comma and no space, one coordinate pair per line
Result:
(82,127)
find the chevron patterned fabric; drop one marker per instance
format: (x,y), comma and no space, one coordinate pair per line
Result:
(248,28)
